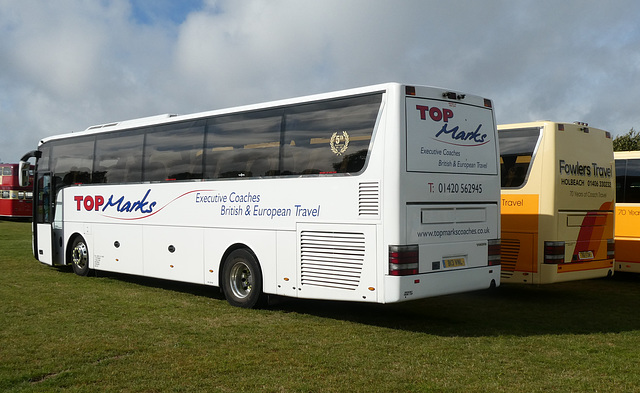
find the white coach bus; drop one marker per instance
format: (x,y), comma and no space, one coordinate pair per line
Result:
(379,194)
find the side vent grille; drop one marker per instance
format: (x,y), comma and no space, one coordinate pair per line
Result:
(331,259)
(510,251)
(369,199)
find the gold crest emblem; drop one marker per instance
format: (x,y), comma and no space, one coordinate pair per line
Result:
(339,143)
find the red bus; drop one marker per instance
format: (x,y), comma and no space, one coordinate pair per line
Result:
(15,201)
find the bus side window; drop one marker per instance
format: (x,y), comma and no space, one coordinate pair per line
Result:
(513,170)
(516,153)
(174,152)
(118,158)
(74,161)
(243,145)
(331,137)
(621,169)
(632,182)
(44,199)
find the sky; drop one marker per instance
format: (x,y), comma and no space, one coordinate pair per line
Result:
(66,65)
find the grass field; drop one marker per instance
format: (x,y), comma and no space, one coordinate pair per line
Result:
(62,332)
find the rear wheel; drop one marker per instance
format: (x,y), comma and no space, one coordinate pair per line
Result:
(242,280)
(79,256)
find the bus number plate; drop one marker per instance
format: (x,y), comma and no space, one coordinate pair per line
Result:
(585,254)
(454,262)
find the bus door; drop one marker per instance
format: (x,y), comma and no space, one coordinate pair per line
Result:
(43,218)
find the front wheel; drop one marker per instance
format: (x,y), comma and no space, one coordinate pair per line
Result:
(79,256)
(242,280)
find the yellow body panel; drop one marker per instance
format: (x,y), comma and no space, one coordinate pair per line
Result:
(560,191)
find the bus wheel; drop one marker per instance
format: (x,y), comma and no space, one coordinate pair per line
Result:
(242,280)
(79,256)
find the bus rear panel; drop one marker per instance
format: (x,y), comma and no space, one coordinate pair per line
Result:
(557,202)
(448,197)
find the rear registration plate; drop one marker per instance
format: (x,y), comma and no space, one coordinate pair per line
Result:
(454,262)
(585,254)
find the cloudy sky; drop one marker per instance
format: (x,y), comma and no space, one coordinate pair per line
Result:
(69,64)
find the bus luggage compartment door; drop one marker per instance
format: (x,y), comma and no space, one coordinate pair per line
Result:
(44,237)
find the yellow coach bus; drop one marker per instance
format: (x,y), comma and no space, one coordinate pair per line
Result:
(627,211)
(557,202)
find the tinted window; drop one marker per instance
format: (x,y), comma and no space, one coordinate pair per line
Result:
(72,160)
(246,145)
(174,152)
(329,137)
(43,210)
(316,138)
(621,168)
(118,158)
(43,161)
(632,182)
(516,153)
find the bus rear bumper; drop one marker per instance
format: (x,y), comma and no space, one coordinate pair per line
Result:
(627,266)
(418,286)
(627,258)
(551,273)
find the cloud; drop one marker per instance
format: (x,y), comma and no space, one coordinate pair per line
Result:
(71,64)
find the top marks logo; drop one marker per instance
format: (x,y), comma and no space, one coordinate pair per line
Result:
(453,136)
(123,208)
(122,205)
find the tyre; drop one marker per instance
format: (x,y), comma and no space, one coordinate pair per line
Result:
(79,256)
(242,280)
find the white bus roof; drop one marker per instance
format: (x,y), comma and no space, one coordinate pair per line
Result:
(170,118)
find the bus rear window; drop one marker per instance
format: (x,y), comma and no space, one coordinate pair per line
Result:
(516,152)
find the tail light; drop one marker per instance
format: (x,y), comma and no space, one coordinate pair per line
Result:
(611,248)
(403,260)
(493,252)
(553,252)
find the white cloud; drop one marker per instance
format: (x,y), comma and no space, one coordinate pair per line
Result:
(71,64)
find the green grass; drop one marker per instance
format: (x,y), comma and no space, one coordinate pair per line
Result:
(62,332)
